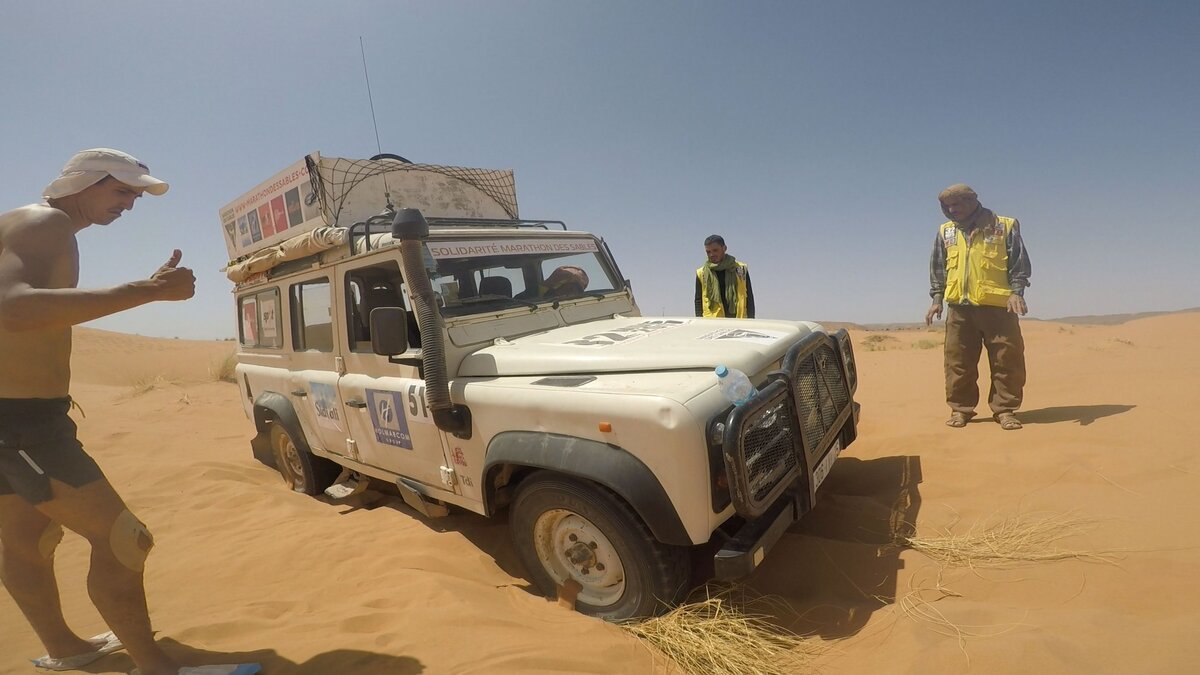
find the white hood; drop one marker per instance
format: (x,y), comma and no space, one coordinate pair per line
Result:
(640,344)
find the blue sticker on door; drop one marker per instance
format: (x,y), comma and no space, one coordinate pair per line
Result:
(387,418)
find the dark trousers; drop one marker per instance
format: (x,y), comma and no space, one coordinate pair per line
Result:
(968,330)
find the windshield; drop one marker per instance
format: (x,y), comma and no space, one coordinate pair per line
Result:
(480,276)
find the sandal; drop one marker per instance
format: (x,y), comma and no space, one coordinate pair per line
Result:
(958,420)
(105,643)
(1007,421)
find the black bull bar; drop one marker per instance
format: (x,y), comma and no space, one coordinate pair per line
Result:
(777,446)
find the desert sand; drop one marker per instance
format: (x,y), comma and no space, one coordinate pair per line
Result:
(246,570)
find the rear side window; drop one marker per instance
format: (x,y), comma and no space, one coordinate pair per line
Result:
(312,316)
(259,319)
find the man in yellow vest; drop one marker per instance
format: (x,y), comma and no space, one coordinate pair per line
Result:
(723,284)
(979,266)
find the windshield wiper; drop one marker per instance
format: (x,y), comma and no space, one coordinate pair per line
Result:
(479,299)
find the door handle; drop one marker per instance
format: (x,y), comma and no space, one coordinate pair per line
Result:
(299,393)
(355,403)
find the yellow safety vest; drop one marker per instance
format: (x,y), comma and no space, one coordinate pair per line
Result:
(718,309)
(977,270)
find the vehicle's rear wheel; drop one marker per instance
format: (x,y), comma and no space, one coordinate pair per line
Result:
(565,528)
(302,471)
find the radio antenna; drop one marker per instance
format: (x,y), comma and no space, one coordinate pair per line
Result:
(387,195)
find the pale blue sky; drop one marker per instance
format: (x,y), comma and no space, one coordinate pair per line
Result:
(814,136)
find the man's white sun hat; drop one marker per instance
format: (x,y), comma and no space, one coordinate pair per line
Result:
(89,167)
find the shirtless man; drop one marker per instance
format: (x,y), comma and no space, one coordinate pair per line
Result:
(46,479)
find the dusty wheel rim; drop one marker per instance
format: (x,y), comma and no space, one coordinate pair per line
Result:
(287,458)
(570,546)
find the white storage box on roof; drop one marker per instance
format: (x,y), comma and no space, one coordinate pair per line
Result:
(336,192)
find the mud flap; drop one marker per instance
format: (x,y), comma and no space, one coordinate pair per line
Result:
(419,502)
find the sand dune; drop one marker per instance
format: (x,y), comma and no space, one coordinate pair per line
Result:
(244,569)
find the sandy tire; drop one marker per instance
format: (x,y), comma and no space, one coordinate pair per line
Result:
(565,528)
(302,471)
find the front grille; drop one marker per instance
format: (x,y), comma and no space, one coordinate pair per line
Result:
(769,446)
(762,449)
(819,387)
(782,432)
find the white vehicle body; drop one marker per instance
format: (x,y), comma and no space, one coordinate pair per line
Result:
(551,405)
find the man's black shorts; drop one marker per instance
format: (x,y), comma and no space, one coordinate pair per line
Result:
(37,443)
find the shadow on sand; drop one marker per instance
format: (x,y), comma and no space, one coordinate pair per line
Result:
(1083,414)
(335,661)
(839,564)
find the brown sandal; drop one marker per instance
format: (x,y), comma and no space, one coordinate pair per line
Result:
(1007,421)
(958,420)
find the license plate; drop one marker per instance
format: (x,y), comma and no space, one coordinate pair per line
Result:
(826,463)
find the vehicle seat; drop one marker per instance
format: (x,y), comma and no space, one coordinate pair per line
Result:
(373,296)
(495,286)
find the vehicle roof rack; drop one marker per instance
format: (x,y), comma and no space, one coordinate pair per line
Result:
(382,224)
(493,222)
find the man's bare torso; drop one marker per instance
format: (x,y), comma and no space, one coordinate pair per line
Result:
(37,363)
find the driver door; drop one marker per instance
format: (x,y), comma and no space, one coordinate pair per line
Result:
(386,411)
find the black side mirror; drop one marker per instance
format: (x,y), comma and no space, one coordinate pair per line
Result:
(389,331)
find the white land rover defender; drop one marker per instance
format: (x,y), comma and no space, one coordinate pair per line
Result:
(499,365)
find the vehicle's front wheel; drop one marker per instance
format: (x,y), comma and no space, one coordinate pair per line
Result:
(565,528)
(301,470)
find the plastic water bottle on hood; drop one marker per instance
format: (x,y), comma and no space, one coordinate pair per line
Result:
(734,384)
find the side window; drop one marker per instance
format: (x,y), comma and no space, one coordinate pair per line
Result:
(312,316)
(259,319)
(368,288)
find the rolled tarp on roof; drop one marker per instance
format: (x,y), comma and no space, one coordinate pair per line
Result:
(300,246)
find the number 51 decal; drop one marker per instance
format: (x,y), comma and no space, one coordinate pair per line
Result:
(418,409)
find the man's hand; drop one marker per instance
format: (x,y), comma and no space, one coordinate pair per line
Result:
(935,311)
(1016,305)
(171,282)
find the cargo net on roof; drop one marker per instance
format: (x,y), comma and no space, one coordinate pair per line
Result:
(339,176)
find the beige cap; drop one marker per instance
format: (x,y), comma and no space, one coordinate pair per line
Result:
(89,167)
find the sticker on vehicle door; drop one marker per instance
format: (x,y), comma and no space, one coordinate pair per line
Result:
(325,404)
(418,408)
(388,418)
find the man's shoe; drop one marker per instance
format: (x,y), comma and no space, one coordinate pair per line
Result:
(1007,421)
(958,420)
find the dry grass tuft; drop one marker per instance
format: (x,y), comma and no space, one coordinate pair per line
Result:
(1025,538)
(918,605)
(223,370)
(718,636)
(148,383)
(926,344)
(878,342)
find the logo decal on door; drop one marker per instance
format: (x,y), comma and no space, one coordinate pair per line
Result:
(325,404)
(388,418)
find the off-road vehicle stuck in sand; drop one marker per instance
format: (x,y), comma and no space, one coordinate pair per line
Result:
(400,324)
